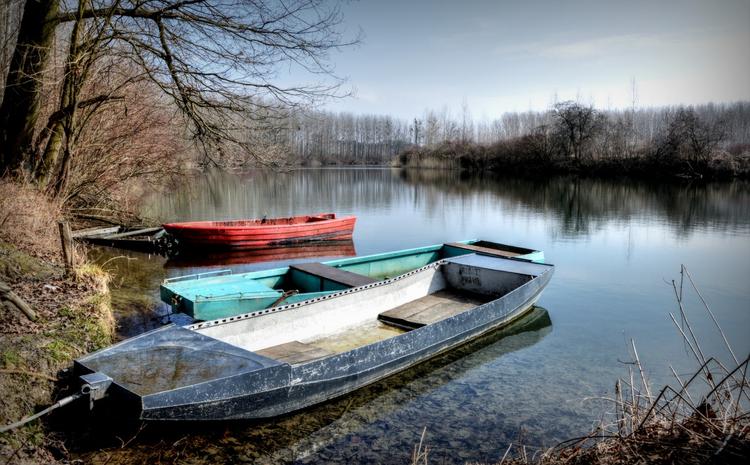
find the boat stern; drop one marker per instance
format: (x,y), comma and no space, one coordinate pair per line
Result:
(173,373)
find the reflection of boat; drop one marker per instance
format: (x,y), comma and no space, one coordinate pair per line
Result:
(245,234)
(278,360)
(221,294)
(265,254)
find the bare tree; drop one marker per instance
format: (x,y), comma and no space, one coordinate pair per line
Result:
(690,139)
(577,125)
(217,60)
(416,132)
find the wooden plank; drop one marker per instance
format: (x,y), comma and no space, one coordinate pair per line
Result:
(416,306)
(430,309)
(294,352)
(485,250)
(137,232)
(440,312)
(96,231)
(337,275)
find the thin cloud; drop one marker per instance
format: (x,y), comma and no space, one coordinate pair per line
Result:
(602,46)
(588,48)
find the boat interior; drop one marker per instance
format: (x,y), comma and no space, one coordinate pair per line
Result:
(306,278)
(277,221)
(337,323)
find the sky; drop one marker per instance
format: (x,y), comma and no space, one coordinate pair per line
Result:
(505,56)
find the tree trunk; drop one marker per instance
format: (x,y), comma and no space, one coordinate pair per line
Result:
(21,96)
(75,72)
(49,155)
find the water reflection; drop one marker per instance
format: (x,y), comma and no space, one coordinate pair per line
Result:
(221,196)
(582,206)
(579,206)
(294,252)
(359,428)
(614,243)
(134,288)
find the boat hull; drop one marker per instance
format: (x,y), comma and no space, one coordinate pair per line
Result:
(265,387)
(251,234)
(336,376)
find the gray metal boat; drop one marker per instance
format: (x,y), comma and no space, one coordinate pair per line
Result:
(277,360)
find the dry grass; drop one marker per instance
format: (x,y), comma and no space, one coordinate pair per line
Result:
(73,317)
(28,220)
(705,419)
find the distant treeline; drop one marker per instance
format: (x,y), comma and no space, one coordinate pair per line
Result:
(347,139)
(711,140)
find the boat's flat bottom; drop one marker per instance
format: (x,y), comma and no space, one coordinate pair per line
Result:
(294,352)
(431,309)
(415,314)
(361,335)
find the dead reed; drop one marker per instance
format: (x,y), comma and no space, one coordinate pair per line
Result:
(28,219)
(703,420)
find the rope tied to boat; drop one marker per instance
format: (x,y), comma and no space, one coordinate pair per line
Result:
(283,297)
(60,403)
(94,386)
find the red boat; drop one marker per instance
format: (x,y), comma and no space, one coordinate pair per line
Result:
(248,234)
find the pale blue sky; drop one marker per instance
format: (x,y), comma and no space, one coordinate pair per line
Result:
(503,56)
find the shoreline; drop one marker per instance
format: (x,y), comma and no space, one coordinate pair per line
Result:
(74,316)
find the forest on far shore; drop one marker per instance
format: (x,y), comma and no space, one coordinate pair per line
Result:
(711,140)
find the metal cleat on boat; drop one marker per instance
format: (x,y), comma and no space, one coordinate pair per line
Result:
(94,385)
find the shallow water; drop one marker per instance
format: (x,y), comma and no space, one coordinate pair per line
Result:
(616,247)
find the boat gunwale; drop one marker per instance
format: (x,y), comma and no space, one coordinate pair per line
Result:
(182,287)
(216,225)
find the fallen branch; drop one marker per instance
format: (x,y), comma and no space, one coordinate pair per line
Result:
(7,295)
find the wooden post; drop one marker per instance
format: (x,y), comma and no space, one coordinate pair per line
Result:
(66,238)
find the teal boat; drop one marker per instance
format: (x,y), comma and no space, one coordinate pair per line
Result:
(223,294)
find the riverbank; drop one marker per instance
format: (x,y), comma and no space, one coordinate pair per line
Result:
(530,157)
(73,317)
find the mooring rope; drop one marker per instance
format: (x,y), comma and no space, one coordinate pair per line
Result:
(58,404)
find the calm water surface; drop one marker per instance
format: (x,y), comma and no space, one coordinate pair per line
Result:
(616,245)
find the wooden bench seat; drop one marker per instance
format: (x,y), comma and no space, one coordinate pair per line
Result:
(294,352)
(498,252)
(347,278)
(430,309)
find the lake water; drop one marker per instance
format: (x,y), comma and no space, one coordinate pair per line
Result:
(616,247)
